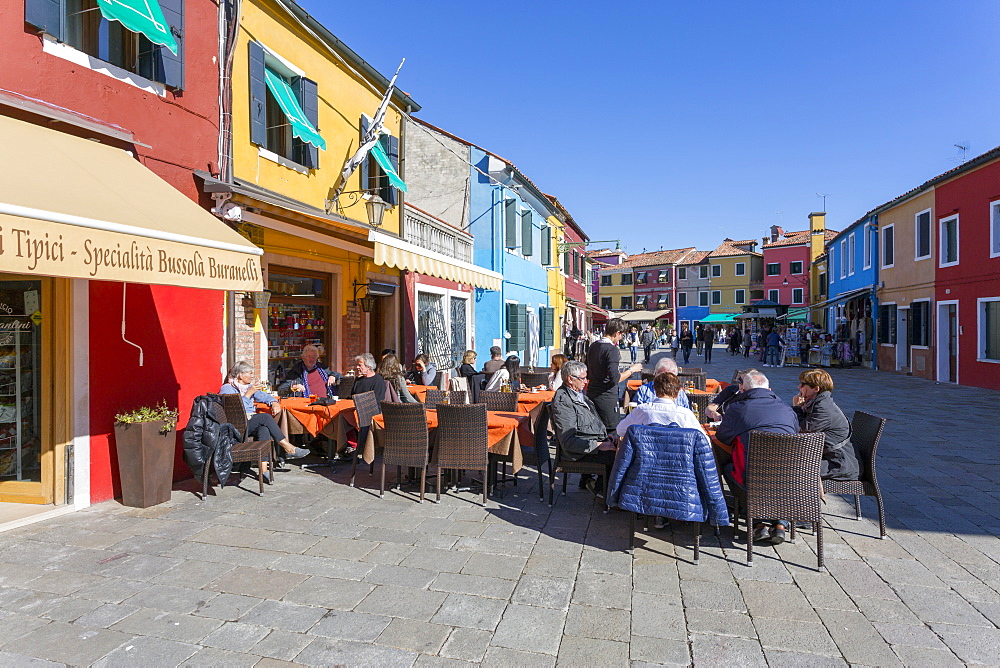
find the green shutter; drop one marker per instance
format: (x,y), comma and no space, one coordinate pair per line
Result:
(510,222)
(527,238)
(546,245)
(258,96)
(567,258)
(517,325)
(547,324)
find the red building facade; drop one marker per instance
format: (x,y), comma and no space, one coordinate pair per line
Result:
(786,267)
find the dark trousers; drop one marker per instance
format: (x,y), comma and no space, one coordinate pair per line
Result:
(607,408)
(708,351)
(687,353)
(606,457)
(264,428)
(648,350)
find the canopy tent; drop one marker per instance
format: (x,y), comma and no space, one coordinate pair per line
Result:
(761,313)
(719,317)
(142,16)
(290,107)
(642,316)
(795,315)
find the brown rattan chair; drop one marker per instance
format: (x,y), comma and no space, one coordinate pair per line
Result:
(435,397)
(406,442)
(345,388)
(462,441)
(505,402)
(781,482)
(534,379)
(701,401)
(866,430)
(233,412)
(367,407)
(568,466)
(697,378)
(737,374)
(691,369)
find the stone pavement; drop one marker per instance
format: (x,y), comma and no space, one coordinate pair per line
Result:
(318,573)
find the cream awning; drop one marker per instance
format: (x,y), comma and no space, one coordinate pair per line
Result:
(394,252)
(642,316)
(74,208)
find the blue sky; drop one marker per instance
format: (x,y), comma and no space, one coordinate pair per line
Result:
(678,124)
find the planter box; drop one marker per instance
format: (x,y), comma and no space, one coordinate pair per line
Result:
(145,463)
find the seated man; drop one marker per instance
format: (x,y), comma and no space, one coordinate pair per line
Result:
(309,376)
(756,407)
(647,394)
(579,430)
(367,380)
(494,363)
(716,409)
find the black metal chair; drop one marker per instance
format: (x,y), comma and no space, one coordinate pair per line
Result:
(540,454)
(866,431)
(499,401)
(435,397)
(462,441)
(367,407)
(781,482)
(406,442)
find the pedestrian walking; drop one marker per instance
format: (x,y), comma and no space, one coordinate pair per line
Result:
(708,338)
(648,340)
(675,344)
(698,333)
(735,340)
(747,343)
(687,341)
(632,341)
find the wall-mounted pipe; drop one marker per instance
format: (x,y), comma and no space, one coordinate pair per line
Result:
(124,291)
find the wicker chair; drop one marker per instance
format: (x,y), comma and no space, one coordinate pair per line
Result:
(346,387)
(737,374)
(233,412)
(866,430)
(701,401)
(782,482)
(499,401)
(368,407)
(534,379)
(691,369)
(697,378)
(540,453)
(462,441)
(435,397)
(406,442)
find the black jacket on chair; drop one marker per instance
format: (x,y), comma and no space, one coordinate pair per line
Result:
(206,438)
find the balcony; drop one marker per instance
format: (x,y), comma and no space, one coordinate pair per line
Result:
(427,232)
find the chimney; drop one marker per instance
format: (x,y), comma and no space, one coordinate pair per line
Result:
(817,234)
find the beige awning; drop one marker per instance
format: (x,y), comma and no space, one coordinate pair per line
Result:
(74,208)
(642,316)
(392,251)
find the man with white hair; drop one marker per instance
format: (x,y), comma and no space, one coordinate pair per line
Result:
(647,395)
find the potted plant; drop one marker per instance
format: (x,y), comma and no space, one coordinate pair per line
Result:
(146,440)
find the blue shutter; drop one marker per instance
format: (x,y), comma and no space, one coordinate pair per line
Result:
(306,91)
(392,150)
(527,238)
(44,14)
(363,168)
(510,223)
(258,96)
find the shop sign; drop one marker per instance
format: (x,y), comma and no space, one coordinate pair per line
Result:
(43,248)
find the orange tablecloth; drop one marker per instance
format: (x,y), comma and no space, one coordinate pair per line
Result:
(419,392)
(508,433)
(529,401)
(298,417)
(714,386)
(634,384)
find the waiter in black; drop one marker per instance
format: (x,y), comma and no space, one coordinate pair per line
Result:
(602,371)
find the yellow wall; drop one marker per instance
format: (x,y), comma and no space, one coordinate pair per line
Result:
(729,282)
(616,290)
(343,97)
(556,280)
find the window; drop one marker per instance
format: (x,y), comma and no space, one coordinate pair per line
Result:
(850,255)
(866,245)
(741,268)
(517,327)
(663,301)
(843,258)
(821,283)
(995,229)
(546,326)
(606,303)
(989,329)
(663,276)
(626,279)
(567,260)
(795,267)
(682,272)
(703,271)
(606,279)
(682,299)
(949,242)
(774,269)
(716,297)
(626,302)
(82,25)
(741,296)
(922,234)
(773,295)
(796,295)
(920,325)
(640,301)
(640,278)
(702,299)
(888,246)
(716,270)
(527,236)
(887,323)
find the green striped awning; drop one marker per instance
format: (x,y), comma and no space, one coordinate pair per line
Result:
(142,16)
(383,161)
(292,110)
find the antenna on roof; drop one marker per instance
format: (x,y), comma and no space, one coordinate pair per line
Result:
(964,148)
(824,200)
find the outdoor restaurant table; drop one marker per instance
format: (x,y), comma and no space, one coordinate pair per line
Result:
(419,392)
(532,403)
(508,433)
(298,417)
(632,386)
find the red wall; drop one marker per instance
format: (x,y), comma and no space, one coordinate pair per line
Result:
(976,274)
(786,255)
(179,329)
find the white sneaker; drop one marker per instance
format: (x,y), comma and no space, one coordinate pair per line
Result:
(659,523)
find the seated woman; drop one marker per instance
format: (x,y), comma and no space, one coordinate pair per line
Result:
(262,426)
(423,371)
(508,372)
(555,378)
(468,367)
(390,369)
(817,411)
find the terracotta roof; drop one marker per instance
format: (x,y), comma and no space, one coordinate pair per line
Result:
(730,248)
(800,237)
(695,257)
(656,258)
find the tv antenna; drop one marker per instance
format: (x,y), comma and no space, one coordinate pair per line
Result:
(964,148)
(824,200)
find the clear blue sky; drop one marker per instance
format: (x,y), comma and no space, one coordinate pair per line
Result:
(680,123)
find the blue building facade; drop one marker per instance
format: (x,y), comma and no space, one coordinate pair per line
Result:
(852,277)
(508,220)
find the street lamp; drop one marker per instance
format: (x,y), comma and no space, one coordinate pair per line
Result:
(376,209)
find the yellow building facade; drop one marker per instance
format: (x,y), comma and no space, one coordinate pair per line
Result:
(556,278)
(301,101)
(736,273)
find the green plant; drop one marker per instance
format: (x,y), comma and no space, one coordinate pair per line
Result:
(158,413)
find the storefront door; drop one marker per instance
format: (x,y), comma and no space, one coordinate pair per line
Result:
(26,437)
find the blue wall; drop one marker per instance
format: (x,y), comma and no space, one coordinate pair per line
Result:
(692,313)
(862,277)
(525,280)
